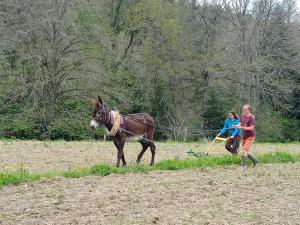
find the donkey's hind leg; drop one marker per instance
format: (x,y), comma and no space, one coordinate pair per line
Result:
(145,146)
(153,148)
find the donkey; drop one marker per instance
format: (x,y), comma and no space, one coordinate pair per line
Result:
(139,127)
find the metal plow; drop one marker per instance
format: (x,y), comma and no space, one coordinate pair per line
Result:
(220,141)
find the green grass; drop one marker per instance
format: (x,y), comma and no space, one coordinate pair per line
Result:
(21,175)
(75,172)
(17,177)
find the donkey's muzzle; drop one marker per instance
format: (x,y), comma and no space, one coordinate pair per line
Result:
(94,124)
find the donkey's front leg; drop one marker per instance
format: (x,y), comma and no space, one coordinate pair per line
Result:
(121,150)
(123,160)
(119,143)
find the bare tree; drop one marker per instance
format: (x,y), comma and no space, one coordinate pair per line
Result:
(45,37)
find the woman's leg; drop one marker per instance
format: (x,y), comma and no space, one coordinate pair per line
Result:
(247,143)
(244,154)
(229,145)
(235,144)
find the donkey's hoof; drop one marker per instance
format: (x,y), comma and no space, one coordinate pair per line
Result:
(152,163)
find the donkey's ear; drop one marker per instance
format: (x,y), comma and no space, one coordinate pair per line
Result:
(100,100)
(94,102)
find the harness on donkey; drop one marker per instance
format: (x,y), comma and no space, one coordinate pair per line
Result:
(118,121)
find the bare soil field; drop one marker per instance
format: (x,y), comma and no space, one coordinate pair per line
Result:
(267,194)
(44,156)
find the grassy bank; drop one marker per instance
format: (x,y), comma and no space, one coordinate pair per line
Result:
(21,175)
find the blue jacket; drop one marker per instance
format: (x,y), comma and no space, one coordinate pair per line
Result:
(228,127)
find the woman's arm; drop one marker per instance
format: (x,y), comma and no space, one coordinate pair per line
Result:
(248,128)
(224,128)
(236,130)
(244,128)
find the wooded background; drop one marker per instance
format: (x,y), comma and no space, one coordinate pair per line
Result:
(186,62)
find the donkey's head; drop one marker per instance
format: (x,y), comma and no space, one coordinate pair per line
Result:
(100,113)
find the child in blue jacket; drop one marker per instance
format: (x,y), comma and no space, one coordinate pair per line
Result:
(233,142)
